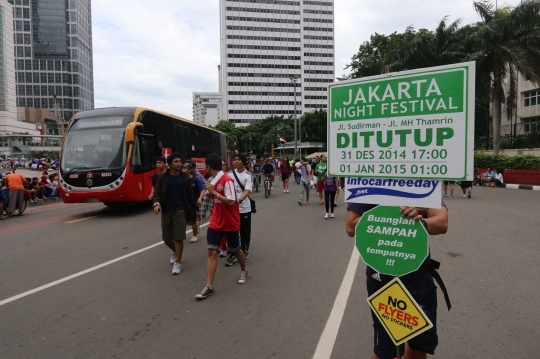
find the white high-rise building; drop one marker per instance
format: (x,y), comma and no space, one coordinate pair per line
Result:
(263,44)
(206,108)
(8,101)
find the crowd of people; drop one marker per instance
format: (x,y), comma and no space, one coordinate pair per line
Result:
(16,190)
(183,198)
(35,164)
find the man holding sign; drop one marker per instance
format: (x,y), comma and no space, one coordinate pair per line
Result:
(419,284)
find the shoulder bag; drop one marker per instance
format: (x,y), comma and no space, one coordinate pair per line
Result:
(251,201)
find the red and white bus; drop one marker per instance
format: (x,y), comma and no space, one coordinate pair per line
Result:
(109,154)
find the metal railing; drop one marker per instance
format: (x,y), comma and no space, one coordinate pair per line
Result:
(516,136)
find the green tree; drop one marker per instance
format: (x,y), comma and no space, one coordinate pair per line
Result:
(505,42)
(314,126)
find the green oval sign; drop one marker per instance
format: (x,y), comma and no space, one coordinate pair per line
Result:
(390,243)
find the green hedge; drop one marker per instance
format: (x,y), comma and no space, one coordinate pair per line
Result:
(526,162)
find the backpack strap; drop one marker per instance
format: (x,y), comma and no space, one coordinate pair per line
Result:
(433,267)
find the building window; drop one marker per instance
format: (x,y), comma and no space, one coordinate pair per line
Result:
(258,19)
(266,57)
(262,10)
(318,63)
(531,98)
(316,37)
(319,29)
(312,54)
(324,21)
(268,29)
(259,47)
(531,124)
(265,66)
(307,105)
(322,12)
(320,3)
(275,2)
(261,38)
(266,74)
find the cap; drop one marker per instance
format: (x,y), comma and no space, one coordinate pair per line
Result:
(187,165)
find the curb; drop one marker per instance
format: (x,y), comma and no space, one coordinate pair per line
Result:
(522,186)
(44,202)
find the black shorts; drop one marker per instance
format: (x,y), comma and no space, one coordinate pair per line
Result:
(213,239)
(449,182)
(424,292)
(466,184)
(191,216)
(285,176)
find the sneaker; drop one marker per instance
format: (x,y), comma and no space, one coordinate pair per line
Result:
(231,260)
(326,216)
(284,191)
(332,215)
(206,292)
(452,196)
(300,203)
(445,195)
(176,268)
(464,196)
(173,258)
(193,239)
(469,194)
(287,191)
(335,205)
(243,277)
(222,254)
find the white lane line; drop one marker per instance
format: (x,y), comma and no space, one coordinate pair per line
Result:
(78,274)
(329,335)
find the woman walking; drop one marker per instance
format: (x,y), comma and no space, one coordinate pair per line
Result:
(286,170)
(330,185)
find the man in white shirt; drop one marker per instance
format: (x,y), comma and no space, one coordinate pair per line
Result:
(244,185)
(498,179)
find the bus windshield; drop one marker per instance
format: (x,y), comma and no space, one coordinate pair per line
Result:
(96,143)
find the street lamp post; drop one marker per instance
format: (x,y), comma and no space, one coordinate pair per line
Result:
(294,81)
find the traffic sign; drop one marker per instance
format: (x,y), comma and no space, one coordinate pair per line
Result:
(411,124)
(398,312)
(390,243)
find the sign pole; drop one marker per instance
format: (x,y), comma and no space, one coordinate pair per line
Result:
(398,354)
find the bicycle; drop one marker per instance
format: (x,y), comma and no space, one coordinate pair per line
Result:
(6,204)
(267,186)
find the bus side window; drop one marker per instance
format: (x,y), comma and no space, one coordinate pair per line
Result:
(136,160)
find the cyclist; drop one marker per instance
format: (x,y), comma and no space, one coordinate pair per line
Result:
(268,170)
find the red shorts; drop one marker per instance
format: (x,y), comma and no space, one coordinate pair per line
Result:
(320,186)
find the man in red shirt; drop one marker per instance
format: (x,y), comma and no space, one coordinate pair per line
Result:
(225,222)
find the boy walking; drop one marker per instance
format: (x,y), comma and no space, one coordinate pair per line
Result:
(225,222)
(173,196)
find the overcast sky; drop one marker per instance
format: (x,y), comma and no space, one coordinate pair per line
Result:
(157,53)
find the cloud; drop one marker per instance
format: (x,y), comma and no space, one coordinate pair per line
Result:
(157,53)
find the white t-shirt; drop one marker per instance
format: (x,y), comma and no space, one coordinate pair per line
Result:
(499,176)
(245,179)
(297,165)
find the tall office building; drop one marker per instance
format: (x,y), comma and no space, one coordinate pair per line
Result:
(53,54)
(8,104)
(263,44)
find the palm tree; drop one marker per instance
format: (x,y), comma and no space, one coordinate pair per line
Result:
(506,42)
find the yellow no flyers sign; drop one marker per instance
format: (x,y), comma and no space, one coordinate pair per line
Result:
(398,312)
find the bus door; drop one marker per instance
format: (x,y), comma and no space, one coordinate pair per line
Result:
(144,163)
(148,149)
(183,145)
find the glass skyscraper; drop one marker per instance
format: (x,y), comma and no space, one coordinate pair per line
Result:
(53,54)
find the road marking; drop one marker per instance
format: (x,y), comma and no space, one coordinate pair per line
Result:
(78,274)
(81,219)
(329,335)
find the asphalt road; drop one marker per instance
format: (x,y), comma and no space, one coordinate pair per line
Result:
(135,308)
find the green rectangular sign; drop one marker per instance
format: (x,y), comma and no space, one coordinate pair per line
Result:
(412,124)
